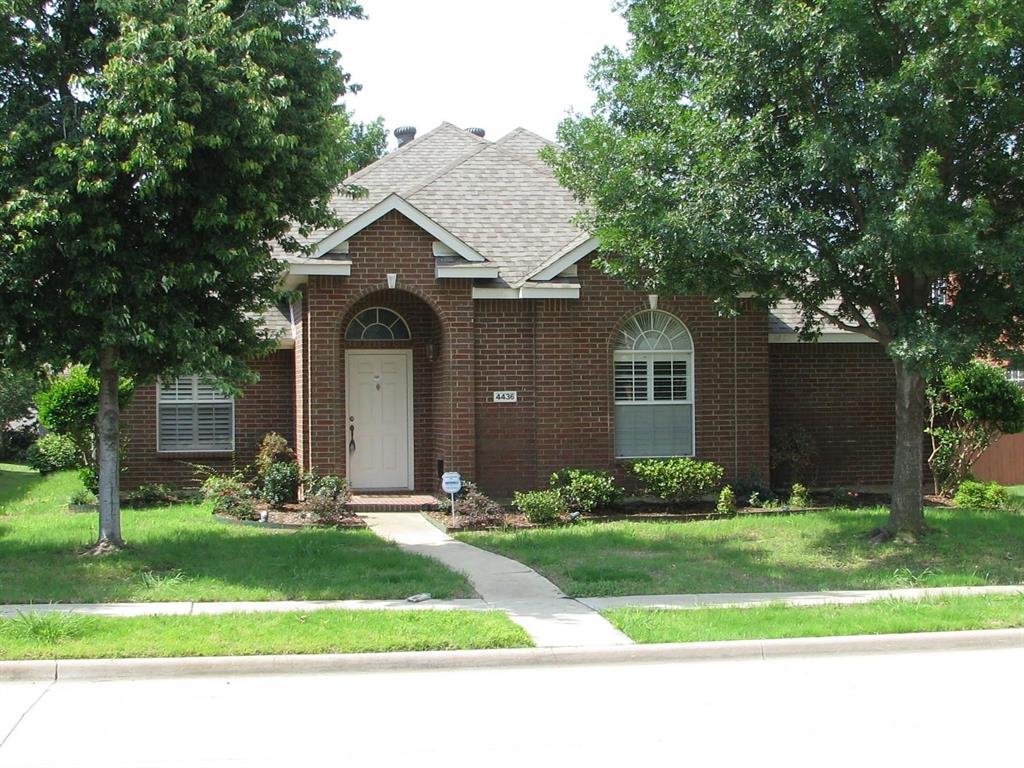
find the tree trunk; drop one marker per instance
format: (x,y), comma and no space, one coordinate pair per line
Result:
(108,429)
(907,511)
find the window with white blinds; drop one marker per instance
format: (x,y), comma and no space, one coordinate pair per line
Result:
(653,372)
(193,415)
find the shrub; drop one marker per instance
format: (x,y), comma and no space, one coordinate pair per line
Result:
(280,483)
(69,405)
(679,479)
(325,508)
(751,483)
(152,494)
(726,503)
(51,453)
(330,486)
(798,496)
(90,478)
(584,491)
(475,507)
(540,507)
(273,450)
(972,493)
(230,496)
(82,497)
(794,454)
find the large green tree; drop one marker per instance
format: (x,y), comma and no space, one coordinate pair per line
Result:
(150,150)
(861,158)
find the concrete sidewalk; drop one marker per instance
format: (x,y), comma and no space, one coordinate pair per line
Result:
(829,597)
(530,600)
(520,606)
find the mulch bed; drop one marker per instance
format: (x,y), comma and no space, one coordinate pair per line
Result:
(292,516)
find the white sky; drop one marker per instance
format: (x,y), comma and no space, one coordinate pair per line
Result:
(494,64)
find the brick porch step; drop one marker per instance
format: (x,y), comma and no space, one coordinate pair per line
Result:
(391,502)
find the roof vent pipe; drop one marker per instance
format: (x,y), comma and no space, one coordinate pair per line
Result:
(405,134)
(477,131)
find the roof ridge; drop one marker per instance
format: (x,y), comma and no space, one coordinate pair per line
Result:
(398,150)
(424,183)
(516,131)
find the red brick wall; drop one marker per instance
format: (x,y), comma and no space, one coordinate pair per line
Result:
(842,395)
(267,406)
(440,315)
(557,354)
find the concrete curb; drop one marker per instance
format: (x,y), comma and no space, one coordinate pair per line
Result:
(126,669)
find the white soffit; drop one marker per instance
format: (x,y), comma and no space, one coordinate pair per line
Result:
(394,202)
(468,271)
(834,337)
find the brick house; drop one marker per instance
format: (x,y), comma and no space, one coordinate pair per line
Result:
(457,322)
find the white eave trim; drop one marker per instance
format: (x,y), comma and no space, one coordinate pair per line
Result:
(342,267)
(566,260)
(544,291)
(834,337)
(285,342)
(394,202)
(468,271)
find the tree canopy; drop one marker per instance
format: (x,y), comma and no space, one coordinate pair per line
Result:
(150,152)
(860,158)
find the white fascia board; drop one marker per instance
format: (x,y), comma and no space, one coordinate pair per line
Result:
(566,260)
(394,202)
(544,291)
(468,271)
(320,267)
(550,291)
(495,293)
(835,337)
(286,342)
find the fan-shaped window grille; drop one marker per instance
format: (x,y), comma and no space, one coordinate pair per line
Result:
(377,324)
(653,387)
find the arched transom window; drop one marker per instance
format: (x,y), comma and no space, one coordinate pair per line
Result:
(377,324)
(653,387)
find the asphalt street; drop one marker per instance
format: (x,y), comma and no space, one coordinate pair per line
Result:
(949,708)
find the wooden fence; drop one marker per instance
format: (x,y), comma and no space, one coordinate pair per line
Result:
(1003,462)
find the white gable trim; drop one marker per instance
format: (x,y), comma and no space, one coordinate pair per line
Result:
(566,260)
(394,202)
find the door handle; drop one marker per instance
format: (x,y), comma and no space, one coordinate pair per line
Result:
(352,438)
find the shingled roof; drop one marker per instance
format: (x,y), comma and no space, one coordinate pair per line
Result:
(499,198)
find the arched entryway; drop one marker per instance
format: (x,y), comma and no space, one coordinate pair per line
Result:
(393,343)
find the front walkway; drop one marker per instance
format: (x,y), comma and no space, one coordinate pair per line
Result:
(530,600)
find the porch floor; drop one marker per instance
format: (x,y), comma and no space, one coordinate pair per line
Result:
(391,502)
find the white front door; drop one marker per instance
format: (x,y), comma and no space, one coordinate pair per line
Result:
(378,425)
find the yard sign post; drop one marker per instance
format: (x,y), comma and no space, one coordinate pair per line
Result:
(451,482)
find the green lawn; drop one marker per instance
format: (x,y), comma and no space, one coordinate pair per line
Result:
(1016,490)
(771,621)
(183,553)
(66,636)
(814,551)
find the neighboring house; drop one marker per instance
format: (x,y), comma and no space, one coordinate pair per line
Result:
(457,322)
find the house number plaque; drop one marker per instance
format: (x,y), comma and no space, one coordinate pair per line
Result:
(510,396)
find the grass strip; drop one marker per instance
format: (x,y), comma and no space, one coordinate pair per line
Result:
(890,616)
(71,636)
(781,553)
(182,553)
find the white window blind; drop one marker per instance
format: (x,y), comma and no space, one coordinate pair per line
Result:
(193,415)
(653,375)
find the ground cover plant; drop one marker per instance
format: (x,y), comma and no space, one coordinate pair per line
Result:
(181,552)
(68,636)
(810,551)
(939,614)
